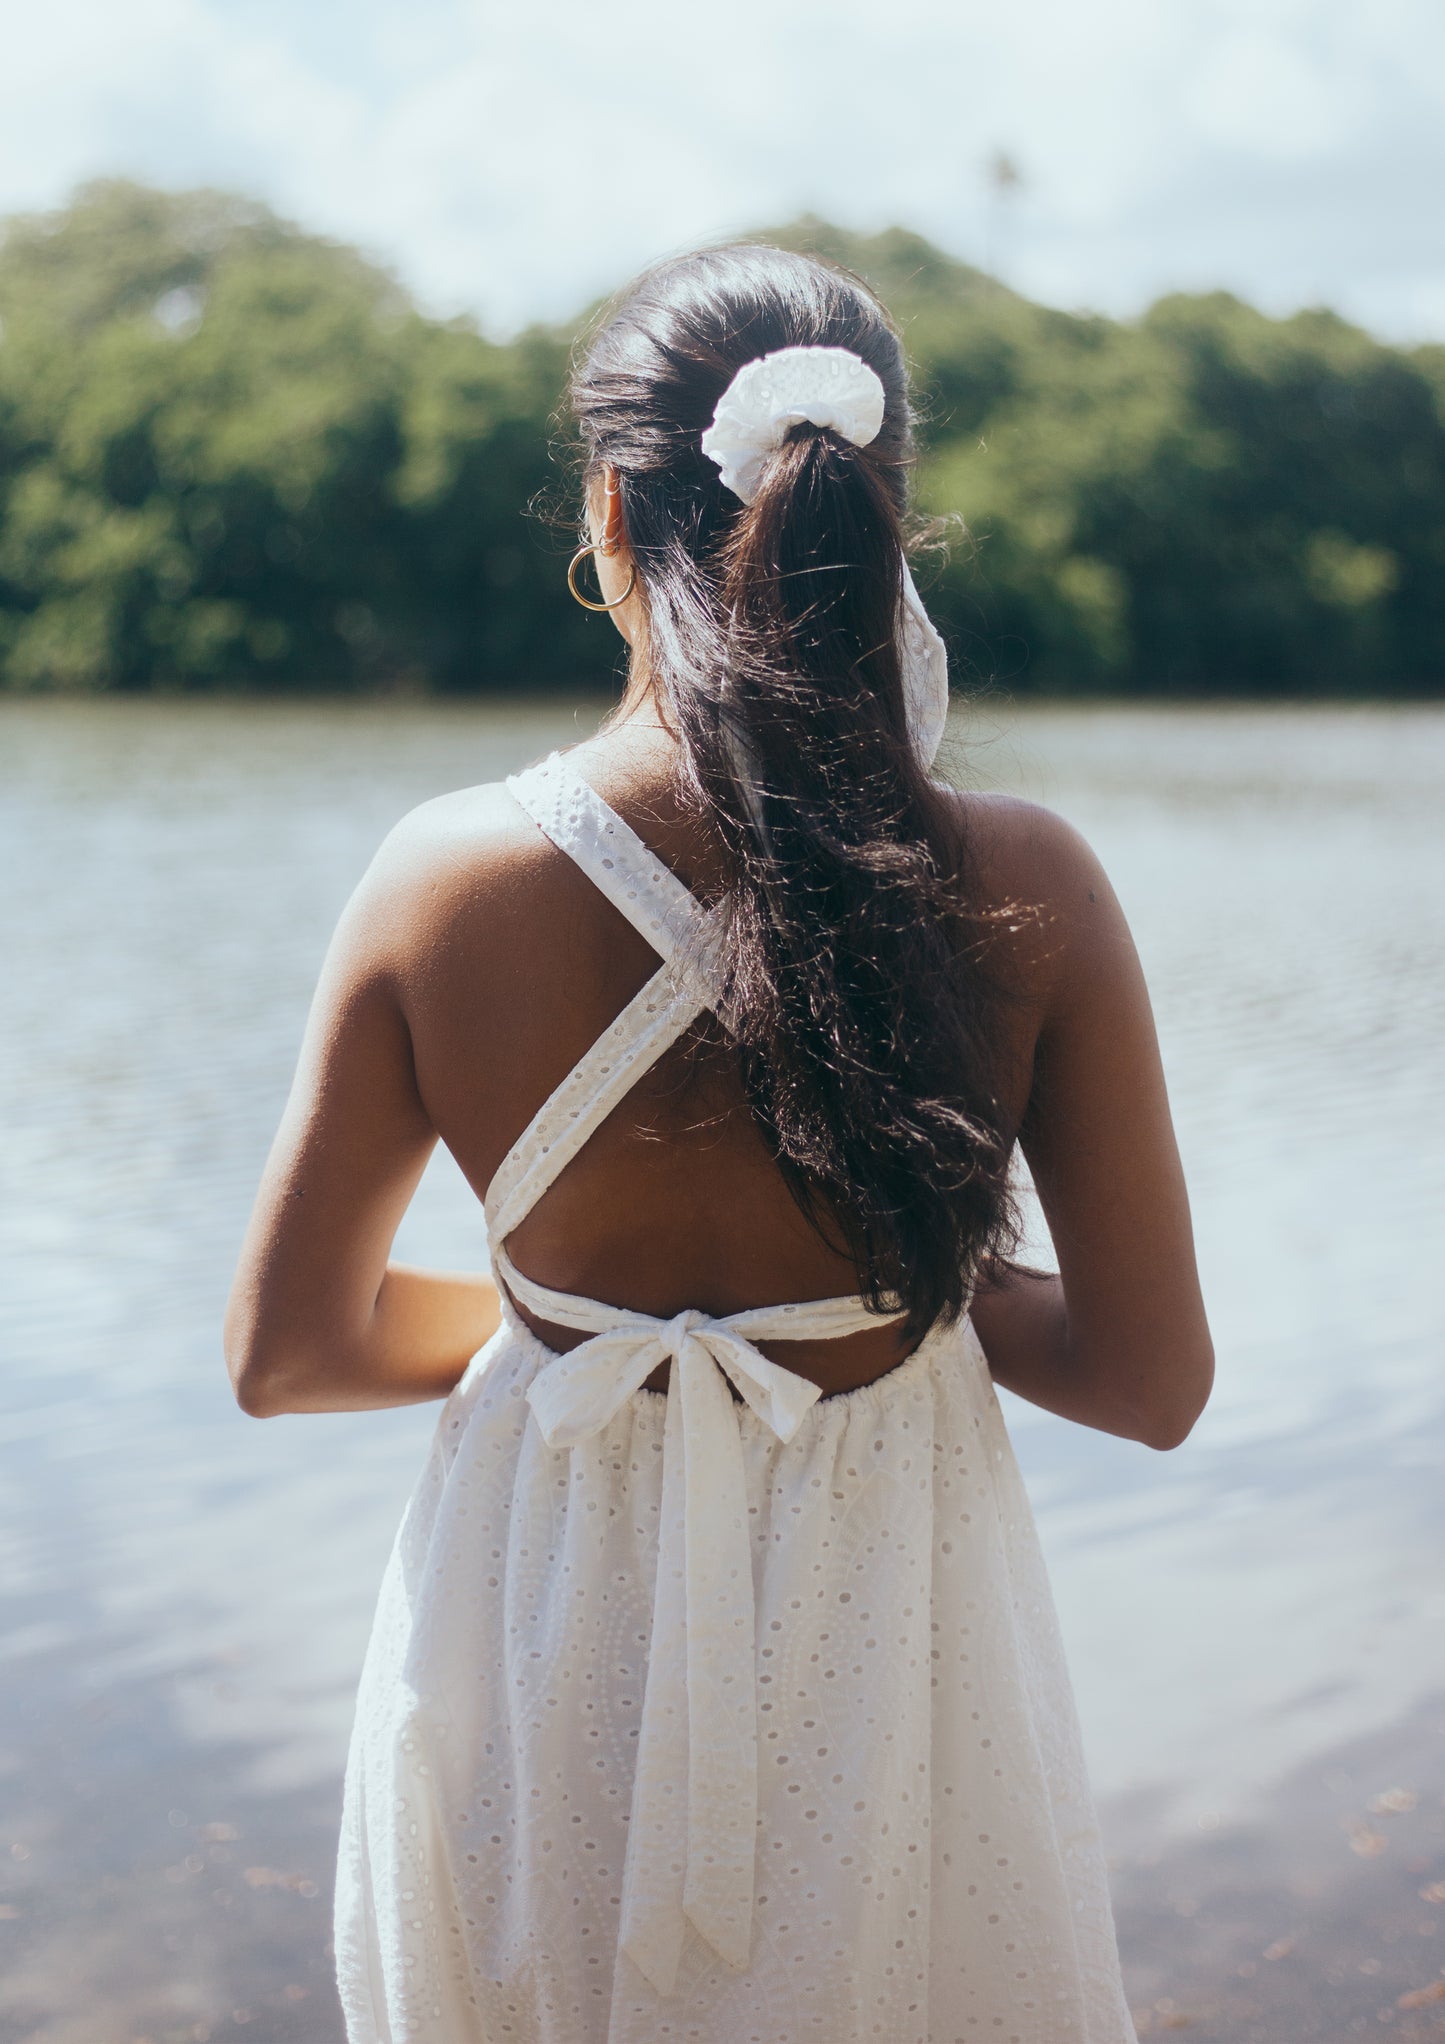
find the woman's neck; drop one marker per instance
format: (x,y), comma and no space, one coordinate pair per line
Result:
(635,728)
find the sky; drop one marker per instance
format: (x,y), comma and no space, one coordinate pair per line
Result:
(516,161)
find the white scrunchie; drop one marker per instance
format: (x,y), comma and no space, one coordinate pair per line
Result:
(835,388)
(772,394)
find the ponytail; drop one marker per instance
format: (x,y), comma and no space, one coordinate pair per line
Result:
(860,1010)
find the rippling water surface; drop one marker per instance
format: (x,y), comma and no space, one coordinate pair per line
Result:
(1256,1622)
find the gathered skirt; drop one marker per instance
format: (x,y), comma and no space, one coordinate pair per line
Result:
(929,1868)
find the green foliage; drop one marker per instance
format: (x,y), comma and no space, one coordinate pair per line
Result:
(233,454)
(1206,500)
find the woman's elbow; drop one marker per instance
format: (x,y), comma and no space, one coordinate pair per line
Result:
(1170,1421)
(1166,1433)
(266,1385)
(254,1385)
(257,1372)
(257,1397)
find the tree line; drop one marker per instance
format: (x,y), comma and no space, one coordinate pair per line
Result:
(235,455)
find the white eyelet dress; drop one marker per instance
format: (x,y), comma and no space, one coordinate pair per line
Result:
(691,1717)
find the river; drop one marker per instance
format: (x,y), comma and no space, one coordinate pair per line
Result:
(1256,1622)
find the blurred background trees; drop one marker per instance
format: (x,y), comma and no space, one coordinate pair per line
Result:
(234,455)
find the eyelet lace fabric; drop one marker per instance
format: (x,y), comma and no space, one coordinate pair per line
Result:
(692,1716)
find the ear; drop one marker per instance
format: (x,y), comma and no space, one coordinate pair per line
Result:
(611,535)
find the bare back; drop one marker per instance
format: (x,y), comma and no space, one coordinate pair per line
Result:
(675,1201)
(475,964)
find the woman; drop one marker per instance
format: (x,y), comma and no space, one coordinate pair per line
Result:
(715,1690)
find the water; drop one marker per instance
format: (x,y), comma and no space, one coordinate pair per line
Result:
(1255,1621)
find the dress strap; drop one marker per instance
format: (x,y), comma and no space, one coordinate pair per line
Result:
(797,1320)
(568,810)
(688,938)
(653,1020)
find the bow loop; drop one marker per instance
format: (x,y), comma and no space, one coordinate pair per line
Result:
(578,1394)
(779,1397)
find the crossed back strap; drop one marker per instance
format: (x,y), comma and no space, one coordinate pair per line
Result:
(674,922)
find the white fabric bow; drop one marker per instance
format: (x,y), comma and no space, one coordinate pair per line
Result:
(830,387)
(690,1858)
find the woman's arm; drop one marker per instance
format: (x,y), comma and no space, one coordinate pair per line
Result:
(318,1321)
(1119,1340)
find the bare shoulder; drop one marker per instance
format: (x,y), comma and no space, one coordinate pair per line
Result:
(461,867)
(481,834)
(1023,857)
(1022,851)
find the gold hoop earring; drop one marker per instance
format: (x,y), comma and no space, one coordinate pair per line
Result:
(586,601)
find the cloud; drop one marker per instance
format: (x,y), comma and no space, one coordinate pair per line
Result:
(517,162)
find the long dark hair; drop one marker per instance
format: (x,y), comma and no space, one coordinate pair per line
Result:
(857,995)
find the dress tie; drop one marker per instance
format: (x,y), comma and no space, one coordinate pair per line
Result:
(690,1857)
